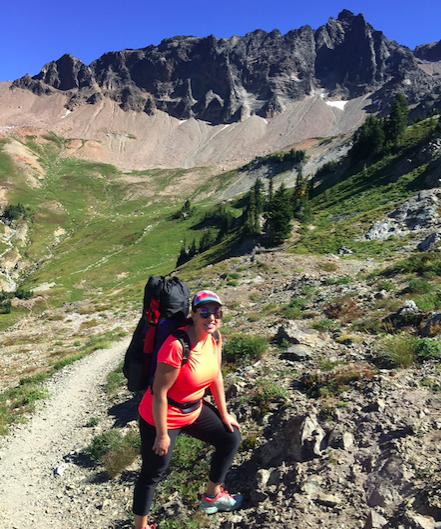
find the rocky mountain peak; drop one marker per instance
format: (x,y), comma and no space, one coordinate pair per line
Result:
(66,74)
(429,52)
(227,80)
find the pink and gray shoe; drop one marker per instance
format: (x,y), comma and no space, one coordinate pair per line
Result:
(221,502)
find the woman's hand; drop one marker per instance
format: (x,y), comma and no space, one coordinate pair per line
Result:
(161,445)
(230,421)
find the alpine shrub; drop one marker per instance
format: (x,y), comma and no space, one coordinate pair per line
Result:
(114,450)
(241,348)
(427,348)
(103,443)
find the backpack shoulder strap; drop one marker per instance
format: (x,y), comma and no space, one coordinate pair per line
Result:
(182,336)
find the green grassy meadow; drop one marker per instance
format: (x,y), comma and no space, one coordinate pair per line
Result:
(92,228)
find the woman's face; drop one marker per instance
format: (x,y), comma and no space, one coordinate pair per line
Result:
(211,323)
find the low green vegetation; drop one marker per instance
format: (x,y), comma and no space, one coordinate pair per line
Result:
(17,401)
(115,379)
(92,422)
(404,350)
(384,284)
(324,324)
(397,351)
(337,379)
(266,392)
(189,469)
(115,450)
(244,349)
(419,286)
(426,265)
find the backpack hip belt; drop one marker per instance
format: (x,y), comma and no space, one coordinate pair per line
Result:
(185,407)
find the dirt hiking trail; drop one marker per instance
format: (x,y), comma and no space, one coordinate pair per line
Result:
(34,457)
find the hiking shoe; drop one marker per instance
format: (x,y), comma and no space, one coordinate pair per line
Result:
(221,502)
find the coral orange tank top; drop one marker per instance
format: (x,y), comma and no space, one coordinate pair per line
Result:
(194,378)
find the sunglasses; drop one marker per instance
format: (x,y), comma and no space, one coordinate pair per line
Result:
(206,313)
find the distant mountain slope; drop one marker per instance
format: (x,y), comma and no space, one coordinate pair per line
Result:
(103,132)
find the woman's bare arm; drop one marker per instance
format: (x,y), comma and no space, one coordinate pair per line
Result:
(165,377)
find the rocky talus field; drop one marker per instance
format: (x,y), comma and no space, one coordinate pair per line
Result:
(333,435)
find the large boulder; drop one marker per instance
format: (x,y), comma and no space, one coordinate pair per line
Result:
(293,333)
(301,439)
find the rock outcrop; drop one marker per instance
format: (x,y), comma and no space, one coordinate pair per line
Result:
(418,215)
(227,80)
(429,52)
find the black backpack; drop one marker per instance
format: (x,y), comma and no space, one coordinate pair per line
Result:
(166,306)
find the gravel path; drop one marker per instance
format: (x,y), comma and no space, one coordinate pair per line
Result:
(40,487)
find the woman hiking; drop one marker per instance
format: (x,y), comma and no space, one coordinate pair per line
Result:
(175,404)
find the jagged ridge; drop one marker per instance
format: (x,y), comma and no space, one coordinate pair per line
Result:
(227,80)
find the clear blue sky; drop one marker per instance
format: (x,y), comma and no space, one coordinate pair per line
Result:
(34,32)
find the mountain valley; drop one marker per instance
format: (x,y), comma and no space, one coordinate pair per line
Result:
(125,168)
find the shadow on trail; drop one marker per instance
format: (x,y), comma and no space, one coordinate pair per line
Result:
(125,412)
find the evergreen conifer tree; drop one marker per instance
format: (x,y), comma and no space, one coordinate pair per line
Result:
(192,251)
(258,196)
(370,138)
(396,122)
(224,224)
(280,215)
(252,218)
(299,190)
(270,190)
(301,207)
(207,240)
(183,255)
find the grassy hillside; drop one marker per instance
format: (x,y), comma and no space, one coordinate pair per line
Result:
(345,210)
(91,228)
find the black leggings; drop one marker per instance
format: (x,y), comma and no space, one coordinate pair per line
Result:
(208,427)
